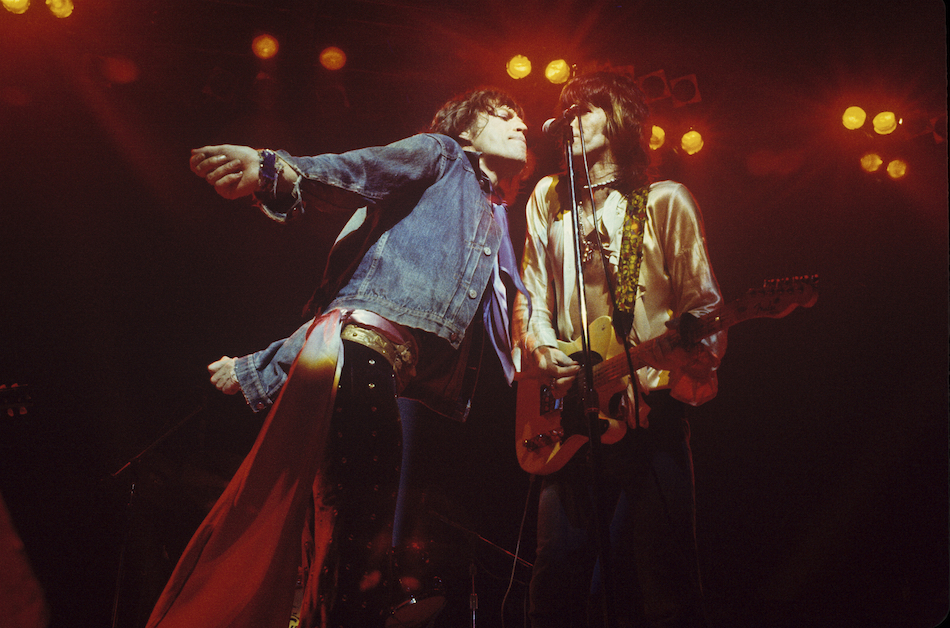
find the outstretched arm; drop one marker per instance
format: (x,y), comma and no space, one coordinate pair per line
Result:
(234,171)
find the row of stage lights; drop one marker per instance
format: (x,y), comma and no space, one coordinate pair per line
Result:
(884,123)
(59,8)
(654,85)
(681,91)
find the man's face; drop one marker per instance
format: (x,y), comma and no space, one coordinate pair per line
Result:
(594,120)
(500,137)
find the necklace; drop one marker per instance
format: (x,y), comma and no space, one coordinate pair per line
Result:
(602,184)
(589,243)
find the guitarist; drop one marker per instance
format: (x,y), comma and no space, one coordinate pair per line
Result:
(660,279)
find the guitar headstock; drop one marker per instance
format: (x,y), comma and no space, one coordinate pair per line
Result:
(778,297)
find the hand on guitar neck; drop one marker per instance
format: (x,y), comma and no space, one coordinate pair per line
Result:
(679,349)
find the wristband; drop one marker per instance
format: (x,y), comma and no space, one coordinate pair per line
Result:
(270,172)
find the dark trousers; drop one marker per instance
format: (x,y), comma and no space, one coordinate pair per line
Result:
(646,500)
(359,490)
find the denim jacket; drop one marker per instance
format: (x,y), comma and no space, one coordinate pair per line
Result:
(419,251)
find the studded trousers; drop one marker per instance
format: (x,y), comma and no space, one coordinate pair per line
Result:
(357,493)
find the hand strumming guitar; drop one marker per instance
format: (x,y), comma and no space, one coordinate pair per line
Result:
(555,369)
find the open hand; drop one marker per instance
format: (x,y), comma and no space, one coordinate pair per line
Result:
(232,170)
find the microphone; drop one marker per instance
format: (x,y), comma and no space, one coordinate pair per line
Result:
(555,125)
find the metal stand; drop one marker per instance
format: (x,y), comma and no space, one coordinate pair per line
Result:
(131,466)
(591,405)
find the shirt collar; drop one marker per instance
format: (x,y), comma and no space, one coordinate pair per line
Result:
(474,157)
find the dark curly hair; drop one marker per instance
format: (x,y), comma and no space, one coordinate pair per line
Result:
(627,113)
(460,114)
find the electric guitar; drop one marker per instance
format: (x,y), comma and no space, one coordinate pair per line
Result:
(546,437)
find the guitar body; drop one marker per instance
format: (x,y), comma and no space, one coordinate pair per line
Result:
(549,431)
(545,442)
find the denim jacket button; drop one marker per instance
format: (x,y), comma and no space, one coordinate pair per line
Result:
(487,250)
(472,293)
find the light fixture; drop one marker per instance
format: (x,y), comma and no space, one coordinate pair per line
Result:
(558,71)
(871,162)
(654,86)
(265,46)
(897,168)
(60,8)
(16,6)
(657,138)
(519,66)
(685,90)
(332,58)
(885,123)
(692,142)
(853,118)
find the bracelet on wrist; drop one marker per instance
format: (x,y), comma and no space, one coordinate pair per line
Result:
(270,171)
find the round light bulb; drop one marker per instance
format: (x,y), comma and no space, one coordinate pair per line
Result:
(519,66)
(853,118)
(885,123)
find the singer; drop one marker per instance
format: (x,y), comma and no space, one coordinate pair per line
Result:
(644,242)
(404,309)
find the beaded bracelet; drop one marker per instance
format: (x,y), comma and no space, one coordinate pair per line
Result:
(270,172)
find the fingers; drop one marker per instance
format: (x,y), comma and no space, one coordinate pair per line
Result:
(223,375)
(218,364)
(217,168)
(203,160)
(562,378)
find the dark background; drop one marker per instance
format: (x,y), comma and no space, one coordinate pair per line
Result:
(822,464)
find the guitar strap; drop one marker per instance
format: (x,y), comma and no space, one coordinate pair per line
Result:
(628,266)
(623,296)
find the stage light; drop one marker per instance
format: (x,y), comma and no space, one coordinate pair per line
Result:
(654,86)
(685,90)
(519,66)
(60,8)
(558,71)
(332,58)
(265,46)
(16,6)
(897,169)
(871,162)
(853,118)
(692,142)
(885,123)
(657,138)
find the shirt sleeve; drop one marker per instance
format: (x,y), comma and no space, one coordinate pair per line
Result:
(537,330)
(262,374)
(350,180)
(695,291)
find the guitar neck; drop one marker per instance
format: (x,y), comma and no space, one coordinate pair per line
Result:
(775,299)
(706,325)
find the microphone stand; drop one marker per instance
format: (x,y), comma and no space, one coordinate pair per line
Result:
(589,395)
(132,465)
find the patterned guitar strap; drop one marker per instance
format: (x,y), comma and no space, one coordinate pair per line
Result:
(631,254)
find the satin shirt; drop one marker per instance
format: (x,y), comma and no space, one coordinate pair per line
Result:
(675,276)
